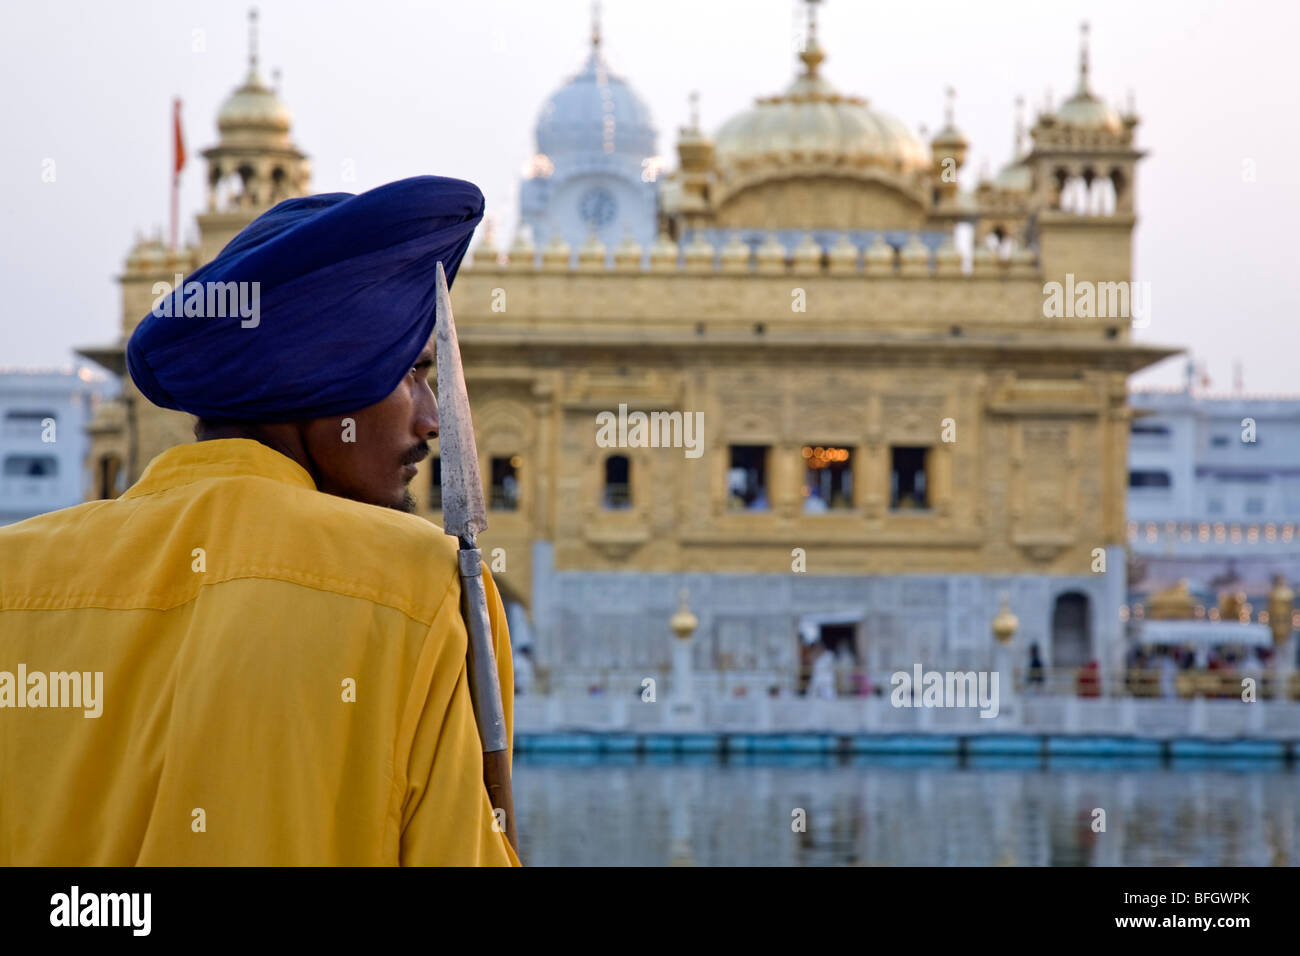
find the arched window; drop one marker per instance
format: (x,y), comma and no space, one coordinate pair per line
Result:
(1118,184)
(215,175)
(504,494)
(247,185)
(279,184)
(1060,178)
(618,482)
(1000,242)
(1074,195)
(1102,196)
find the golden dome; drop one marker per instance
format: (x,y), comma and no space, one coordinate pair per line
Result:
(253,105)
(950,138)
(1083,110)
(811,120)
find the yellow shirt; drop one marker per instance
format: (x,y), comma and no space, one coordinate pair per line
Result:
(282,678)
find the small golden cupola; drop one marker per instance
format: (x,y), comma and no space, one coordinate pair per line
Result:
(695,156)
(254,112)
(254,164)
(949,150)
(1083,110)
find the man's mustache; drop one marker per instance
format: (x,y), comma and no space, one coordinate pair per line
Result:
(417,454)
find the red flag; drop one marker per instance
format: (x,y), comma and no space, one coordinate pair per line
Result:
(178,163)
(179,145)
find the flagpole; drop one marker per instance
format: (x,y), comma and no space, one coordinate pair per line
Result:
(177,162)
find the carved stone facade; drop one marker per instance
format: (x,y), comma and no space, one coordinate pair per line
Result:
(1024,420)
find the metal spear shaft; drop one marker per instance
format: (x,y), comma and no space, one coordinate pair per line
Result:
(465,516)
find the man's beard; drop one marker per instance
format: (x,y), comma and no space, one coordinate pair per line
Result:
(412,457)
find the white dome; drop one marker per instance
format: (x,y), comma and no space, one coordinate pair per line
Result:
(596,112)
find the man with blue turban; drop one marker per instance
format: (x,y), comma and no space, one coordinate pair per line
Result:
(255,656)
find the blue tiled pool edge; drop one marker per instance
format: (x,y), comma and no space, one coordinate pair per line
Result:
(1021,745)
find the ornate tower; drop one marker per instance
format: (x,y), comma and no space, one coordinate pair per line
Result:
(695,154)
(254,164)
(1083,165)
(949,150)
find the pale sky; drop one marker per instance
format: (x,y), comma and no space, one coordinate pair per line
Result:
(454,88)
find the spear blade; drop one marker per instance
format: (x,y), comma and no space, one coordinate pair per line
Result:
(465,516)
(463,512)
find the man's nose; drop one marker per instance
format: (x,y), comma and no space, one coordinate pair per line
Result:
(427,425)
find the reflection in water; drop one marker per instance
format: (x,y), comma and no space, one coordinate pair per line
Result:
(903,811)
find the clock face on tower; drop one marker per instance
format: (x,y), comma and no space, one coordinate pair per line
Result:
(598,206)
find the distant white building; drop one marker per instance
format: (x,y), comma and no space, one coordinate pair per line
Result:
(43,440)
(1214,491)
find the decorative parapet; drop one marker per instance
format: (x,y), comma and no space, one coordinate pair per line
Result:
(910,255)
(844,257)
(591,256)
(698,255)
(627,257)
(663,255)
(522,257)
(555,257)
(948,260)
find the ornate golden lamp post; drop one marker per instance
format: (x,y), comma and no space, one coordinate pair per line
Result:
(683,624)
(1004,629)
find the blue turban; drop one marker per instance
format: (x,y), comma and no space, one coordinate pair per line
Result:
(337,302)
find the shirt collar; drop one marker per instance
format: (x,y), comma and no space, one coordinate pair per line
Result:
(218,458)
